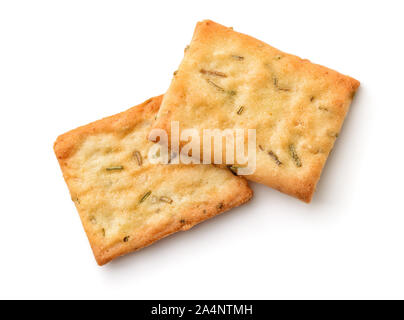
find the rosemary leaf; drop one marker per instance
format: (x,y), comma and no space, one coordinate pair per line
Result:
(115,168)
(294,155)
(166,199)
(213,73)
(276,84)
(138,157)
(239,58)
(275,157)
(145,196)
(215,85)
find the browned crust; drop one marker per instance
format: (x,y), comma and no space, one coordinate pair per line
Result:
(67,144)
(204,30)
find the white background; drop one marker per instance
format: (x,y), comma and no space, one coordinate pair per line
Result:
(66,63)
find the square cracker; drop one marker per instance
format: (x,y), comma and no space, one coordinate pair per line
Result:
(230,80)
(109,176)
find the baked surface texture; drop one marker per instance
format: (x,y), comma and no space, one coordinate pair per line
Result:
(124,201)
(230,80)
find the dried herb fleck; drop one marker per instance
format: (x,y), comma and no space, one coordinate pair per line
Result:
(274,157)
(240,110)
(219,88)
(145,196)
(322,108)
(215,85)
(182,221)
(213,73)
(115,168)
(311,98)
(166,199)
(220,205)
(261,147)
(126,239)
(138,157)
(239,58)
(294,155)
(103,232)
(276,84)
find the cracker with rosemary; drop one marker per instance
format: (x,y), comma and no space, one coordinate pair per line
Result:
(125,202)
(231,80)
